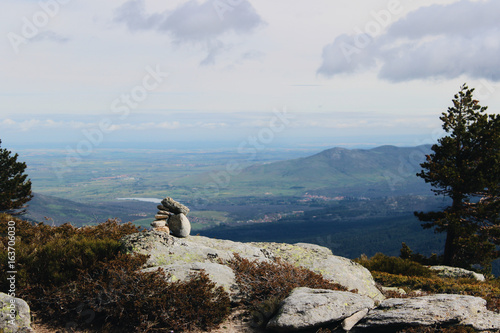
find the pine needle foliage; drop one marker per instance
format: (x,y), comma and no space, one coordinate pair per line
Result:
(465,166)
(15,187)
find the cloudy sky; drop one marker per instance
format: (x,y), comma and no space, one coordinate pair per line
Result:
(236,72)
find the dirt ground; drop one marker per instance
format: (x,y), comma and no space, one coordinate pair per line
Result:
(236,323)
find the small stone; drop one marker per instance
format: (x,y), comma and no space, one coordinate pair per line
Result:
(349,322)
(179,225)
(159,223)
(163,229)
(161,207)
(161,216)
(164,212)
(173,206)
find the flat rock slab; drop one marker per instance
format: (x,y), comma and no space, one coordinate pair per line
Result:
(168,250)
(455,273)
(440,309)
(149,242)
(173,206)
(307,308)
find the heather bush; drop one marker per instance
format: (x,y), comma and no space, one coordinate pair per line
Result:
(120,297)
(79,277)
(265,284)
(52,256)
(393,265)
(489,291)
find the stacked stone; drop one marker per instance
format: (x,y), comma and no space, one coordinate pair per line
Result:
(173,214)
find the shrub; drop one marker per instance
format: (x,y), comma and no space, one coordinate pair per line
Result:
(407,253)
(52,256)
(265,284)
(79,277)
(120,297)
(394,265)
(488,291)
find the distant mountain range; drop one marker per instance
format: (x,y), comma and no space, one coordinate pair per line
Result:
(381,171)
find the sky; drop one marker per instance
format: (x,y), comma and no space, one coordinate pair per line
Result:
(83,75)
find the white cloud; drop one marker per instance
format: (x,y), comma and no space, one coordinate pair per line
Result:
(205,23)
(438,41)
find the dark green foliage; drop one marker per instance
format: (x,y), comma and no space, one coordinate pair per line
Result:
(465,166)
(489,291)
(394,265)
(53,256)
(79,276)
(407,253)
(15,188)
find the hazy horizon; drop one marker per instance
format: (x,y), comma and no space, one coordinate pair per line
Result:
(219,73)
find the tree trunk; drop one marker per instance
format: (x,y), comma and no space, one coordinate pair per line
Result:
(449,246)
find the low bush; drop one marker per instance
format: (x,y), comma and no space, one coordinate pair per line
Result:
(393,265)
(490,292)
(265,284)
(79,277)
(52,256)
(116,296)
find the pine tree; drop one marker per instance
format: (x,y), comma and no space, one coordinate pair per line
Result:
(465,166)
(15,188)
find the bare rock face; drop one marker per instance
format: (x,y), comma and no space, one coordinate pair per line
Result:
(307,308)
(179,225)
(14,315)
(440,309)
(151,242)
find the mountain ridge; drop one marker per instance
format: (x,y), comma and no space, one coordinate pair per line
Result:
(332,171)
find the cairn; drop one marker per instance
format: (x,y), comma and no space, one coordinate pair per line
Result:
(171,218)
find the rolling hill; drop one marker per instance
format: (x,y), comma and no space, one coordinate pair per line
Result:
(381,171)
(59,211)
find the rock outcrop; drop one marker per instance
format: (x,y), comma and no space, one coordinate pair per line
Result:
(307,308)
(321,260)
(166,252)
(14,315)
(441,309)
(455,273)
